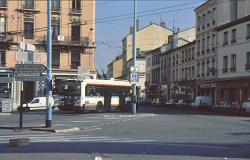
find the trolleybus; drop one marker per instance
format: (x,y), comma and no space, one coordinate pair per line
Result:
(94,95)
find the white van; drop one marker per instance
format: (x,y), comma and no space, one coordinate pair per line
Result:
(202,101)
(38,103)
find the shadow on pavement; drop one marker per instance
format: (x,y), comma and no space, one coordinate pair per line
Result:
(183,149)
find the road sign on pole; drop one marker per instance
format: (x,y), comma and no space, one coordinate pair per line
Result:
(30,72)
(30,68)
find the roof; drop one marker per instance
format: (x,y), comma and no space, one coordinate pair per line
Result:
(186,45)
(233,23)
(147,27)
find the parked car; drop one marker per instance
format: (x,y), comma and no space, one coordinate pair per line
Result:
(202,102)
(37,103)
(246,105)
(223,105)
(149,98)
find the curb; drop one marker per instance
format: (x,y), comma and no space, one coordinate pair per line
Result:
(5,113)
(74,129)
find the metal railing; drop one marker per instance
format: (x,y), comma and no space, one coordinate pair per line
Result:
(69,41)
(6,37)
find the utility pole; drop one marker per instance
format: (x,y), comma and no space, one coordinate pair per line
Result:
(49,80)
(134,60)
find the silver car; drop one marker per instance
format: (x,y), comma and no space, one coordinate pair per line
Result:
(246,105)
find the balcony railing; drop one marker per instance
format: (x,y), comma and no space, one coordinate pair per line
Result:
(69,41)
(233,69)
(233,41)
(75,11)
(248,66)
(224,70)
(225,43)
(6,37)
(74,65)
(248,36)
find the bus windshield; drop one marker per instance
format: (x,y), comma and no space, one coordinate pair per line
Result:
(72,88)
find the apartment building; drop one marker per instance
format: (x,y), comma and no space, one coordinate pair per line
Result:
(147,38)
(154,60)
(73,37)
(233,83)
(209,16)
(178,68)
(115,68)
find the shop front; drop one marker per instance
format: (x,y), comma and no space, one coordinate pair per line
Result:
(207,88)
(233,91)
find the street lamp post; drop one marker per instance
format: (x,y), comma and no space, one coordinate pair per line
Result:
(49,61)
(134,60)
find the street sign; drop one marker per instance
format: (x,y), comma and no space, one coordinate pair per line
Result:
(30,78)
(30,69)
(134,69)
(134,77)
(26,46)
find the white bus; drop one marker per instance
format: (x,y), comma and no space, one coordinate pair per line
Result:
(94,95)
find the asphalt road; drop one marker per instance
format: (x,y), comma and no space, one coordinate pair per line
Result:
(153,133)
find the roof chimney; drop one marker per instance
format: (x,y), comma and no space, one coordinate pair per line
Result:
(163,24)
(137,25)
(131,30)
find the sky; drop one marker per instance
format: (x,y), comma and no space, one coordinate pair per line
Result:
(115,17)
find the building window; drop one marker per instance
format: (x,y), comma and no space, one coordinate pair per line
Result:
(248,31)
(208,18)
(76,5)
(2,58)
(248,61)
(213,15)
(213,67)
(193,72)
(173,60)
(198,47)
(208,66)
(225,64)
(198,23)
(203,69)
(177,75)
(203,21)
(213,42)
(225,41)
(193,53)
(2,25)
(203,46)
(233,63)
(56,58)
(55,5)
(198,70)
(28,30)
(75,59)
(208,44)
(3,3)
(29,4)
(182,56)
(55,29)
(75,32)
(233,40)
(177,59)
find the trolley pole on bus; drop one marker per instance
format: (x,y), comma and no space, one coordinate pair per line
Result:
(134,61)
(49,78)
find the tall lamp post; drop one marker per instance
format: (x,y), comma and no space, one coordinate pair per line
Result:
(134,60)
(49,60)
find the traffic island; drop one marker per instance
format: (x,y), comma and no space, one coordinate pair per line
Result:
(19,142)
(56,130)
